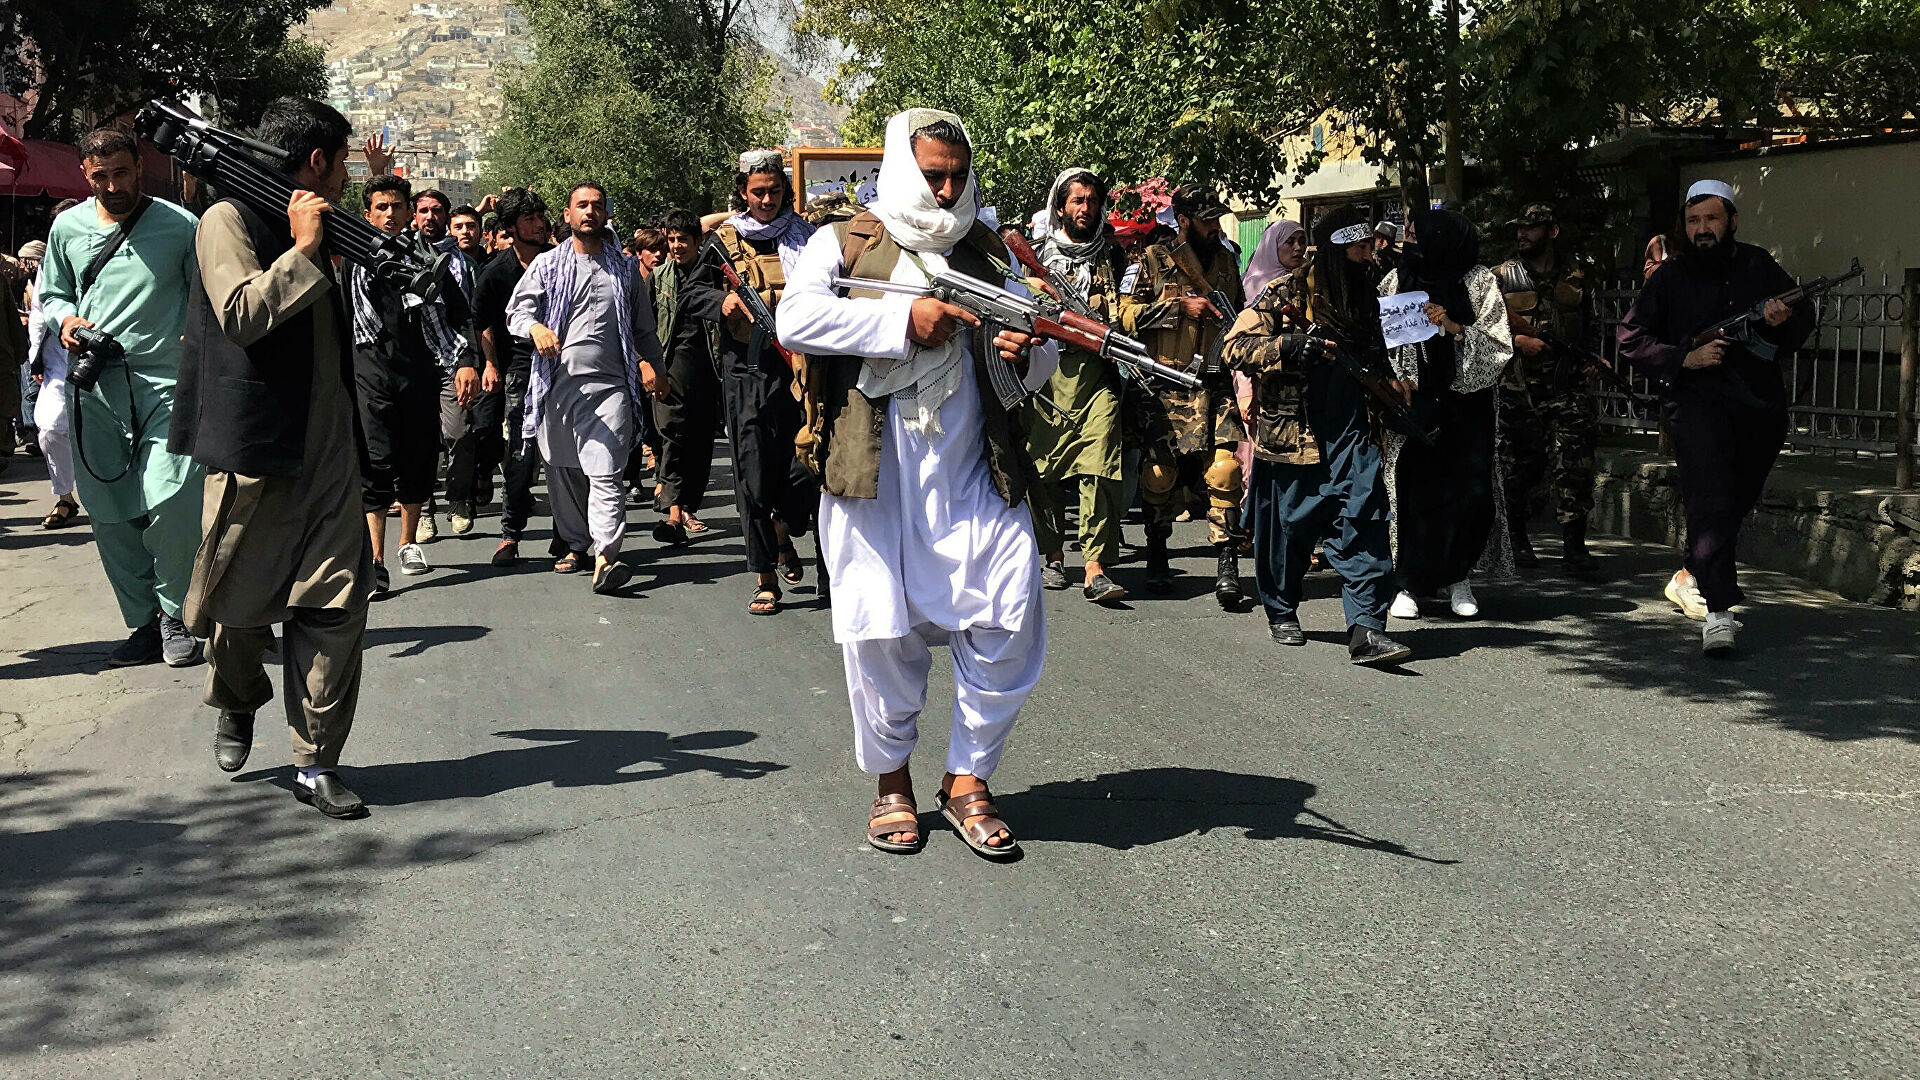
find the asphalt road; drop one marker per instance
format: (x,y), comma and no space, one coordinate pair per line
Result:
(623,838)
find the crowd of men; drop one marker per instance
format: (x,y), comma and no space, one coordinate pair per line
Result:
(249,414)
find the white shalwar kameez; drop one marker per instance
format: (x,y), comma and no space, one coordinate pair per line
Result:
(938,558)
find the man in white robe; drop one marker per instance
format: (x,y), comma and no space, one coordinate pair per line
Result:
(926,534)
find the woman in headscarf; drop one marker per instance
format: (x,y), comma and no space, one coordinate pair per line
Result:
(1281,251)
(1317,469)
(1448,512)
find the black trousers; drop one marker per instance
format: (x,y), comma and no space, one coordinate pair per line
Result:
(686,419)
(1725,449)
(522,464)
(400,418)
(1445,495)
(769,482)
(474,442)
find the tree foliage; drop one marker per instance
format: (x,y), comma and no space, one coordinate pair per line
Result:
(654,99)
(1211,90)
(102,57)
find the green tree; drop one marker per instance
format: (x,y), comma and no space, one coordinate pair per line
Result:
(103,57)
(654,99)
(1844,64)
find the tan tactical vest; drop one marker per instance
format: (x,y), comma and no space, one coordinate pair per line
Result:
(1162,280)
(840,440)
(762,273)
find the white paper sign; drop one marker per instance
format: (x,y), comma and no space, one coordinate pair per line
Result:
(1403,322)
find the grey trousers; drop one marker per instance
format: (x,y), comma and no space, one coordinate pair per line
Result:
(320,659)
(589,512)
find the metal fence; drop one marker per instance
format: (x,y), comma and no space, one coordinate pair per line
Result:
(1845,384)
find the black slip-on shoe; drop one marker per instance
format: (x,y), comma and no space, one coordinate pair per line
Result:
(1287,632)
(143,646)
(611,578)
(1053,576)
(1374,648)
(331,797)
(1103,590)
(670,533)
(232,739)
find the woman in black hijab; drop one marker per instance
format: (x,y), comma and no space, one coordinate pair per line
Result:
(1447,504)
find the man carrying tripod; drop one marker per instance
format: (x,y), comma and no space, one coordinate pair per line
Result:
(115,289)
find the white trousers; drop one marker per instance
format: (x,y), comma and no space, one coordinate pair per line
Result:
(993,672)
(589,512)
(56,440)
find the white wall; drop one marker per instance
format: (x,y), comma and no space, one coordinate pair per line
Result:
(1817,209)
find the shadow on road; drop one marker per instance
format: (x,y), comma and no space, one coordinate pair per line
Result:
(110,916)
(1140,807)
(565,758)
(1829,670)
(419,639)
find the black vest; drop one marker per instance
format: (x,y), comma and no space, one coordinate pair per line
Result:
(245,410)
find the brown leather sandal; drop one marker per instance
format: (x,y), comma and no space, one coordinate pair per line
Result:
(570,563)
(892,806)
(974,817)
(766,600)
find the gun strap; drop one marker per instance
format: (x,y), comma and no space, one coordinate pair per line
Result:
(119,237)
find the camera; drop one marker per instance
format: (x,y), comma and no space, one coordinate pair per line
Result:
(96,349)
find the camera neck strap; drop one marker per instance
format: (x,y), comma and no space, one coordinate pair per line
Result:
(119,237)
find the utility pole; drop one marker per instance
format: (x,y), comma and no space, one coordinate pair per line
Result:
(1456,175)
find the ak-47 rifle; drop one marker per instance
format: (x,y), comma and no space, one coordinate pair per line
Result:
(1125,353)
(1036,316)
(1743,329)
(1592,361)
(1189,264)
(1395,410)
(758,312)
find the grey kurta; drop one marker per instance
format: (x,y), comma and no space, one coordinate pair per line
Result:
(589,423)
(277,542)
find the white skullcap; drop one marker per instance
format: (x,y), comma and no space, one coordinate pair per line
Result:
(1703,188)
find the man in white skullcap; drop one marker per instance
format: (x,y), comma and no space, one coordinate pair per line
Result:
(924,472)
(1726,406)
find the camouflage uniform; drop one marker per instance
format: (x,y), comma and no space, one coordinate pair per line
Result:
(1187,435)
(1550,420)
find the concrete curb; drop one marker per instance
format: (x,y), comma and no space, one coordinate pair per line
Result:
(1863,543)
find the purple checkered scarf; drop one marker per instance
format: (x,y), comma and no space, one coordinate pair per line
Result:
(554,269)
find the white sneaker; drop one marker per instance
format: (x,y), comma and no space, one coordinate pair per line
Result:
(1404,606)
(1460,599)
(1716,638)
(427,530)
(413,561)
(1684,593)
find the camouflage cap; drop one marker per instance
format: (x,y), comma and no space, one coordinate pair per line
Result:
(1535,214)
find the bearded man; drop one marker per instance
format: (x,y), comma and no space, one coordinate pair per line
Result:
(924,472)
(1074,433)
(1727,407)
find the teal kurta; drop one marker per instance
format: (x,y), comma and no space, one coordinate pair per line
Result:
(140,297)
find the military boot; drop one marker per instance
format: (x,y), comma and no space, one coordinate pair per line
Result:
(1226,579)
(1573,552)
(1523,554)
(1159,571)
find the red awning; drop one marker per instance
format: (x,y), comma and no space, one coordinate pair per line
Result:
(52,169)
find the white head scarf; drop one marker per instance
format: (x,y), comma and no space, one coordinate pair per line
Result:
(1074,261)
(1265,264)
(902,200)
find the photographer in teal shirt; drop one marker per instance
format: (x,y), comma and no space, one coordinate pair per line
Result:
(144,501)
